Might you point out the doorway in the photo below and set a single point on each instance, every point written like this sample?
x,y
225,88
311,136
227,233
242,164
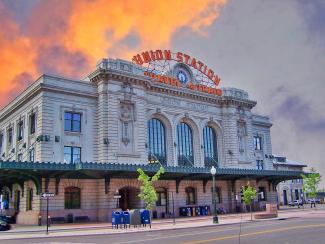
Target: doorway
x,y
17,201
129,198
285,197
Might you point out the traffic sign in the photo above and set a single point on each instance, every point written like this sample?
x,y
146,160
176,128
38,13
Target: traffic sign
x,y
47,194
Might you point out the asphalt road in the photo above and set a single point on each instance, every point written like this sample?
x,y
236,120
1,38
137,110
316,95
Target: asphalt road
x,y
296,231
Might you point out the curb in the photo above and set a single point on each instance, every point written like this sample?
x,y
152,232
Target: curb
x,y
40,235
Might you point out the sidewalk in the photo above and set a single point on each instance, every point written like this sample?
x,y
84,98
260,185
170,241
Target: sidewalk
x,y
19,231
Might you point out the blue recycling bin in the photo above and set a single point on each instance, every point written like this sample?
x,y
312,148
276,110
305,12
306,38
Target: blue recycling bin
x,y
125,219
145,217
116,219
189,211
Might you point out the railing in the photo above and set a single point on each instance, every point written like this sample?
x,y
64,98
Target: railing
x,y
185,161
209,162
152,158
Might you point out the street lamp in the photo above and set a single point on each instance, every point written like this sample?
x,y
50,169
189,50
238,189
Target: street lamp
x,y
213,173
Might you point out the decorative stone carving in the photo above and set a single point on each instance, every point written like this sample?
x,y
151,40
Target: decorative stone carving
x,y
242,133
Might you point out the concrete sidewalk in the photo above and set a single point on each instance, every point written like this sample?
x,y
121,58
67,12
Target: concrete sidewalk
x,y
19,231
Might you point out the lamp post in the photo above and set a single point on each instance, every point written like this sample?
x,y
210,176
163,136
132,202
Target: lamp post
x,y
213,173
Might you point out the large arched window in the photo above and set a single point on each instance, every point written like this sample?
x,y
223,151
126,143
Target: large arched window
x,y
185,145
72,198
210,147
156,141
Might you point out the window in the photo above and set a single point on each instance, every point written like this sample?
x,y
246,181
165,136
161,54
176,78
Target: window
x,y
218,195
72,198
162,197
29,199
257,143
156,141
72,122
1,141
10,135
190,196
261,194
210,147
185,145
72,155
32,155
32,123
259,164
20,157
20,131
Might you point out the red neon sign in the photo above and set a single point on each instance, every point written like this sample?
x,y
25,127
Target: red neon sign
x,y
158,55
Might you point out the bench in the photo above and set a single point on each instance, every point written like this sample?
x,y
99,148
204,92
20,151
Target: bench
x,y
81,219
57,220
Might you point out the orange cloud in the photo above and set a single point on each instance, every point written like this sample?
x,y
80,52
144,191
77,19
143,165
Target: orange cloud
x,y
68,37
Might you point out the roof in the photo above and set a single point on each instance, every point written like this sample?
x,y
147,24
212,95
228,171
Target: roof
x,y
280,160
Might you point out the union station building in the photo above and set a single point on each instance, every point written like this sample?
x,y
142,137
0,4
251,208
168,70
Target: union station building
x,y
84,139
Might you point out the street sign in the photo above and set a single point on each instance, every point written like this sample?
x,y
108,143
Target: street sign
x,y
117,196
47,194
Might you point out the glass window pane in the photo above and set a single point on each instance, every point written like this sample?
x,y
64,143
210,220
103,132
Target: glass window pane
x,y
67,116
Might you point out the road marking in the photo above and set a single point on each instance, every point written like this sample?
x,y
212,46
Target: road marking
x,y
256,233
252,225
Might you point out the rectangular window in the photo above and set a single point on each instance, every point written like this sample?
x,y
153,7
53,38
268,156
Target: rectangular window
x,y
257,143
162,198
32,155
72,122
72,155
259,164
10,135
32,123
20,131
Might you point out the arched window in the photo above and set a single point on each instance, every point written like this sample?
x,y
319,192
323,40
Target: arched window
x,y
156,141
185,145
72,198
29,203
190,196
210,147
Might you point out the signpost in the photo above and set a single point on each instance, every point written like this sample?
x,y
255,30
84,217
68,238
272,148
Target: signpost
x,y
117,196
47,195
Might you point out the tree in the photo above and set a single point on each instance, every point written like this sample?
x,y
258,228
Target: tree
x,y
310,184
147,192
249,194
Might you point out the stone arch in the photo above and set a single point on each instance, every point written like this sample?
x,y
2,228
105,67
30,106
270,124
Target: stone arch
x,y
129,198
163,117
193,124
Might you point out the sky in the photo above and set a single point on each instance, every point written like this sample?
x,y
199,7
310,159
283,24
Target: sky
x,y
275,50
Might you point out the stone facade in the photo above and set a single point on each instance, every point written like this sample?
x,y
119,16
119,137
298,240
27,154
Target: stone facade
x,y
115,104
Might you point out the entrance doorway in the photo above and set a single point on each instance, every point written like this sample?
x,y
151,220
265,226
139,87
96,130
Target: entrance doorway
x,y
129,198
285,197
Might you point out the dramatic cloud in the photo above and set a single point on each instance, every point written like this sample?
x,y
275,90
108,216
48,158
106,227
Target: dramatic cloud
x,y
274,50
68,37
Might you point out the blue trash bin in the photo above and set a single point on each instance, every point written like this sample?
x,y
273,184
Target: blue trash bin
x,y
126,220
116,219
145,217
182,211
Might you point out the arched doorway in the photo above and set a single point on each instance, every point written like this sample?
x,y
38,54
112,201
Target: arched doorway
x,y
129,198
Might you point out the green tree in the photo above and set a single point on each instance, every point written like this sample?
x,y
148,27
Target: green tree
x,y
147,191
310,184
249,194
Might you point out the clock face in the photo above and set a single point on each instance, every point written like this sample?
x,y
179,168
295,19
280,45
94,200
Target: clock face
x,y
182,77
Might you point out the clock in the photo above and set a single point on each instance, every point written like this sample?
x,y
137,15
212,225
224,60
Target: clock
x,y
182,76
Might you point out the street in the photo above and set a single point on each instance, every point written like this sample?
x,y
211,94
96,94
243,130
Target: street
x,y
294,230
